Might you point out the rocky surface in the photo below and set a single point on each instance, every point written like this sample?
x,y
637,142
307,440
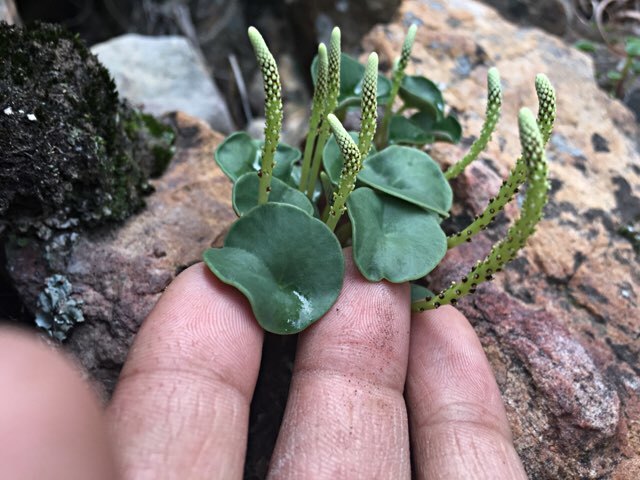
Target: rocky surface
x,y
561,325
164,74
120,273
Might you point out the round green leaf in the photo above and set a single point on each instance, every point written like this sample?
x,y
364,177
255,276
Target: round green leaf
x,y
351,73
418,293
392,239
236,155
245,194
421,93
447,130
443,130
402,130
239,154
408,174
289,266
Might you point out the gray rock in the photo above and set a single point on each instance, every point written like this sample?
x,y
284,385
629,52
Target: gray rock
x,y
164,74
8,12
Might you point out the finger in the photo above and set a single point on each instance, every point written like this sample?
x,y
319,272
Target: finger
x,y
51,424
181,407
458,424
346,417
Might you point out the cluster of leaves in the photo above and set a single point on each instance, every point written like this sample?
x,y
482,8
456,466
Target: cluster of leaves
x,y
628,69
284,253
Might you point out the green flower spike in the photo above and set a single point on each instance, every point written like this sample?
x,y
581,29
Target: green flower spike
x,y
333,91
273,111
546,118
399,67
494,102
351,168
317,110
546,106
369,105
535,165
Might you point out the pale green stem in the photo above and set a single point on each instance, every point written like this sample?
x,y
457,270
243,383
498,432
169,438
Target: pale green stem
x,y
546,119
273,111
333,91
317,109
506,250
398,74
369,105
494,102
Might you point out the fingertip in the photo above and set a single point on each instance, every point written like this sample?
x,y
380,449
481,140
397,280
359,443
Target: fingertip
x,y
185,390
51,423
457,418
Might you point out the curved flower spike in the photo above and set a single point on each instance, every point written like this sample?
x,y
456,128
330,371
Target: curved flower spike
x,y
350,169
546,106
536,167
494,103
399,67
273,111
546,117
369,105
333,91
317,112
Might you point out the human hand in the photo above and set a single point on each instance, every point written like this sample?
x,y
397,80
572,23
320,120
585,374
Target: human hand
x,y
370,383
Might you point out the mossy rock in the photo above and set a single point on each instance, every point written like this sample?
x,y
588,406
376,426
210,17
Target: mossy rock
x,y
73,154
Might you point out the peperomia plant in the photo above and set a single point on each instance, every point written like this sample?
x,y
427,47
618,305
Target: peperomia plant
x,y
284,253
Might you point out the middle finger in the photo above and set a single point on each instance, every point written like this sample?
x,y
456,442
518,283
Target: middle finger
x,y
346,416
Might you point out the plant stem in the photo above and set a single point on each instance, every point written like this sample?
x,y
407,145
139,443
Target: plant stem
x,y
623,77
505,250
273,111
398,74
317,109
333,91
368,105
494,102
546,119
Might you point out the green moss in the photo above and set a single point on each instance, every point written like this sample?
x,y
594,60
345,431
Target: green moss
x,y
86,158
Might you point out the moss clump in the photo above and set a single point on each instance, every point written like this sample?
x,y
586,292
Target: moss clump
x,y
73,154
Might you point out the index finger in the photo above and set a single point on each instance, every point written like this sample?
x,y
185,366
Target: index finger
x,y
181,408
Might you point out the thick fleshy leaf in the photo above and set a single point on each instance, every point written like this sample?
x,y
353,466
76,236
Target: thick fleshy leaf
x,y
294,181
245,194
421,93
403,131
392,239
444,130
418,292
408,174
240,154
351,73
332,159
289,266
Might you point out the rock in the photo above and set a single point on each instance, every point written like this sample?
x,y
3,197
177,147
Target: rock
x,y
119,274
313,20
560,324
73,154
554,16
164,74
9,13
